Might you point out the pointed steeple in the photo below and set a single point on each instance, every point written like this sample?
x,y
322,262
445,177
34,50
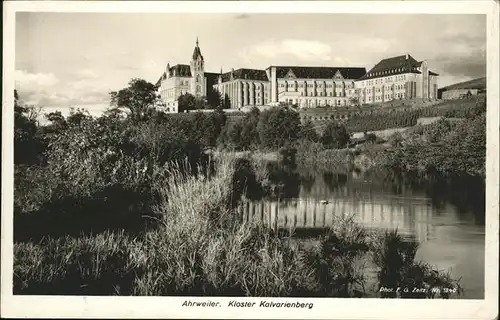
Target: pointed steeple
x,y
197,51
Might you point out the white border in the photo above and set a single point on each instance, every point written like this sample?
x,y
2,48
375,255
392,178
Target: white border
x,y
170,307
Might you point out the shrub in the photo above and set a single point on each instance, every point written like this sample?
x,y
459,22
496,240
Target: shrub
x,y
278,127
395,259
241,134
445,147
308,132
335,136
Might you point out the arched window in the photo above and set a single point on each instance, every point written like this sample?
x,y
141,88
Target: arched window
x,y
199,78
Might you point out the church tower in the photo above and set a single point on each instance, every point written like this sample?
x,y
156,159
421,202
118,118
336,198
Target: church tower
x,y
198,86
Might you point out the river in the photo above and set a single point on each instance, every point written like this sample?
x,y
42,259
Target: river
x,y
446,216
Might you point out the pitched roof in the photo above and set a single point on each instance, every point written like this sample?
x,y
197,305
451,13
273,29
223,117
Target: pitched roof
x,y
249,74
394,66
320,72
181,70
184,70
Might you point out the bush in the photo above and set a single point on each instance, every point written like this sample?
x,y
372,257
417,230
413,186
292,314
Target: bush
x,y
395,259
315,155
308,132
241,134
278,127
335,136
445,147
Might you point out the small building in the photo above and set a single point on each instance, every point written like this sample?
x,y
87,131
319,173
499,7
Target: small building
x,y
463,90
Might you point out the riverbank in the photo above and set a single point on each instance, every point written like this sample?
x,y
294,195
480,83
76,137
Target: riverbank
x,y
200,247
446,146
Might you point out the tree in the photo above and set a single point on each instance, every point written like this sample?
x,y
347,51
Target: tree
x,y
25,130
214,98
113,113
308,132
200,104
278,127
227,102
77,116
335,136
138,98
57,121
249,137
186,102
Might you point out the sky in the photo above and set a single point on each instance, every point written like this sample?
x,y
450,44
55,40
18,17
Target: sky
x,y
74,60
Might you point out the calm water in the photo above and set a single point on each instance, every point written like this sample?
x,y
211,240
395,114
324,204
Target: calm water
x,y
446,217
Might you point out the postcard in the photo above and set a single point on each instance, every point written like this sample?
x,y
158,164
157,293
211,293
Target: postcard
x,y
240,159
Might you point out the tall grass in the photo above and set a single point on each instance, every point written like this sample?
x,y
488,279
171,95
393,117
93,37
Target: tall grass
x,y
200,247
395,259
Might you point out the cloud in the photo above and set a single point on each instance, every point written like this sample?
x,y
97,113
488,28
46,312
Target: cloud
x,y
46,89
25,79
464,56
301,49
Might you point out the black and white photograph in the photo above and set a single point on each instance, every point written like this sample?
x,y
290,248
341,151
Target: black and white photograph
x,y
231,159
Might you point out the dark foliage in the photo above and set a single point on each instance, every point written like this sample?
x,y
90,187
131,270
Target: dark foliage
x,y
139,98
335,136
278,127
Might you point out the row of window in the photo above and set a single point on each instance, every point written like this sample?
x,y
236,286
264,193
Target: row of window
x,y
228,87
311,85
387,97
311,102
324,94
396,87
385,72
388,79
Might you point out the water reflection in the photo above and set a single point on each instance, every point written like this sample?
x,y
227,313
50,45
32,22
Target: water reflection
x,y
445,215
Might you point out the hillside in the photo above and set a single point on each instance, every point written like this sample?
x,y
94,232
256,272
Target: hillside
x,y
479,83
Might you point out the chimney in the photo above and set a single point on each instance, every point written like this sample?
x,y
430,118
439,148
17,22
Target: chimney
x,y
407,56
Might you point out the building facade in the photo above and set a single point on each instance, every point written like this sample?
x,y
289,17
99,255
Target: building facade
x,y
182,78
309,87
244,87
396,78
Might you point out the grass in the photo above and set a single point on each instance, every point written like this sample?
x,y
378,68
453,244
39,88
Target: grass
x,y
311,154
198,246
395,259
197,249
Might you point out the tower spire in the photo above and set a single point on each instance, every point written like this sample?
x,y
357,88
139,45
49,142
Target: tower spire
x,y
196,40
